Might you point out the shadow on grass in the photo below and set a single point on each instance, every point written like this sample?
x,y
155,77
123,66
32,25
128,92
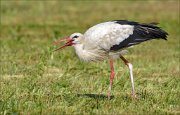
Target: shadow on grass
x,y
95,96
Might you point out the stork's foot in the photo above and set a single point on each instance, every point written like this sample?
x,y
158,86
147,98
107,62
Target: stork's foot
x,y
134,96
109,96
109,93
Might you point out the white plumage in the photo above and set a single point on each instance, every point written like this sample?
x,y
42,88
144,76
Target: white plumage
x,y
107,34
109,39
98,40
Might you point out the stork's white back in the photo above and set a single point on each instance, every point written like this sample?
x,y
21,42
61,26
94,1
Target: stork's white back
x,y
107,34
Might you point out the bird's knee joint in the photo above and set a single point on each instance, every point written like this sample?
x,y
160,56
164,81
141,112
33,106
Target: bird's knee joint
x,y
112,75
130,66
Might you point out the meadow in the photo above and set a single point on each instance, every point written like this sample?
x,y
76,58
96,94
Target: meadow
x,y
36,80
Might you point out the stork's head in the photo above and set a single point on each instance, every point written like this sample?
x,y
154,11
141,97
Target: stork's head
x,y
72,40
77,38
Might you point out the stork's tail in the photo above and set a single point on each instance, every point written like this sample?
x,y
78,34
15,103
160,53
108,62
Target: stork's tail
x,y
141,33
145,31
152,31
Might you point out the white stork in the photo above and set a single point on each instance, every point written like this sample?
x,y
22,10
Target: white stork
x,y
108,40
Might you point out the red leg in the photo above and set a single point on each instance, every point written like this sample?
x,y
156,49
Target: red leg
x,y
111,77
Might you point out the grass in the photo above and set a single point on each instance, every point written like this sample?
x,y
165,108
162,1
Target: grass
x,y
35,80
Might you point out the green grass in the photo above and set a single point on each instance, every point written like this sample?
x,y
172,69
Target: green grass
x,y
35,80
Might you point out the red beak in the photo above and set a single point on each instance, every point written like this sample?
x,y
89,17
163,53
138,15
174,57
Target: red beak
x,y
68,43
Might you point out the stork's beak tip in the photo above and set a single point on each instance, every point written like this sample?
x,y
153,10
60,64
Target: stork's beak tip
x,y
59,41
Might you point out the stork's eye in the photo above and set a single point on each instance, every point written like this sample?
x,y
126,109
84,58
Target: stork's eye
x,y
75,36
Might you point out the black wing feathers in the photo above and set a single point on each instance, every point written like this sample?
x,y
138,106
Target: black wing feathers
x,y
141,33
